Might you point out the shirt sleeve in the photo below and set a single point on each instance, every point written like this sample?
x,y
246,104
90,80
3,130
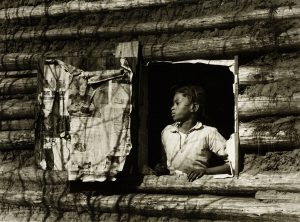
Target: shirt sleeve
x,y
217,144
163,139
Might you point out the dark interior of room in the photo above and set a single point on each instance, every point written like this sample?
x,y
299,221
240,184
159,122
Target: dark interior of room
x,y
164,76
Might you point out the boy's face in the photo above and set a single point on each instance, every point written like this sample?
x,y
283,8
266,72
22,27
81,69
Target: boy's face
x,y
182,108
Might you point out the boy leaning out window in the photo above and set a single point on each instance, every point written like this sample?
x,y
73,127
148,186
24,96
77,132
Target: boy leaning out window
x,y
188,144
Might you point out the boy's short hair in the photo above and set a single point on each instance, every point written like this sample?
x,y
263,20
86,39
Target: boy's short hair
x,y
196,94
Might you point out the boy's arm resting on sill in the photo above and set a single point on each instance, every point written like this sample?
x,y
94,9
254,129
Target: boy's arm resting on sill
x,y
196,174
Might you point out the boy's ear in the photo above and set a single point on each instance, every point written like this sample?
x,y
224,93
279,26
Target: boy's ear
x,y
195,107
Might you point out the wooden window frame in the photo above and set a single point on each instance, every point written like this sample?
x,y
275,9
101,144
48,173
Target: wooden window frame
x,y
142,136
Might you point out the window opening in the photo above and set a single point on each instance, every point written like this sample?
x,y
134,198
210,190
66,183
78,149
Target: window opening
x,y
158,79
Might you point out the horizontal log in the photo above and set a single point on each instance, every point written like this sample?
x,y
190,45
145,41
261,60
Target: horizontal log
x,y
247,75
19,61
267,73
152,28
16,64
11,172
61,200
19,74
249,107
24,97
182,206
178,47
22,124
21,139
17,109
78,7
38,214
18,85
244,184
272,195
212,47
274,132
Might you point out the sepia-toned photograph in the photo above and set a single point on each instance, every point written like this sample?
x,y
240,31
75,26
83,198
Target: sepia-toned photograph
x,y
149,110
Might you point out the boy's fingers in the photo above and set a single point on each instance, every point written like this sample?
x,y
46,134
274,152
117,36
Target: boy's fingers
x,y
192,176
200,174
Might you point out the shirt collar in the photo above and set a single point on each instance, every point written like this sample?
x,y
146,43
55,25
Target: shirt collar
x,y
175,126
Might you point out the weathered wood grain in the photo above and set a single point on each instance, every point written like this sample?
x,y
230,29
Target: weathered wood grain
x,y
244,184
17,109
176,47
22,124
258,106
266,74
20,139
276,196
17,214
19,61
153,28
18,85
79,7
275,133
182,206
24,175
19,74
212,47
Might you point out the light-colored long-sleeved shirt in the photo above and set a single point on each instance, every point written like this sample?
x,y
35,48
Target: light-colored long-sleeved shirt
x,y
193,149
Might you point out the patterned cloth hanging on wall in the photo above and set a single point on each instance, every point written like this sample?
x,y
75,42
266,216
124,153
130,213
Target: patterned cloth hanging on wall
x,y
86,126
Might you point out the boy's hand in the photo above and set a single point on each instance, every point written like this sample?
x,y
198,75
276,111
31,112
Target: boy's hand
x,y
195,174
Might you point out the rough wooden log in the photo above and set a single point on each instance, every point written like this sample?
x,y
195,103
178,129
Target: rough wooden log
x,y
275,196
270,132
18,85
10,172
22,124
153,28
19,61
17,109
248,74
194,45
245,184
227,47
250,107
24,97
79,7
16,64
182,206
269,69
19,74
21,139
267,74
17,214
180,47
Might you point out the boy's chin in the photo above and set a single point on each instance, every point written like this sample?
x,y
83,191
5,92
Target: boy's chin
x,y
175,119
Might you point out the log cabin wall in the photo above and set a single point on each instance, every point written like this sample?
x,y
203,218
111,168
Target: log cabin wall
x,y
264,34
